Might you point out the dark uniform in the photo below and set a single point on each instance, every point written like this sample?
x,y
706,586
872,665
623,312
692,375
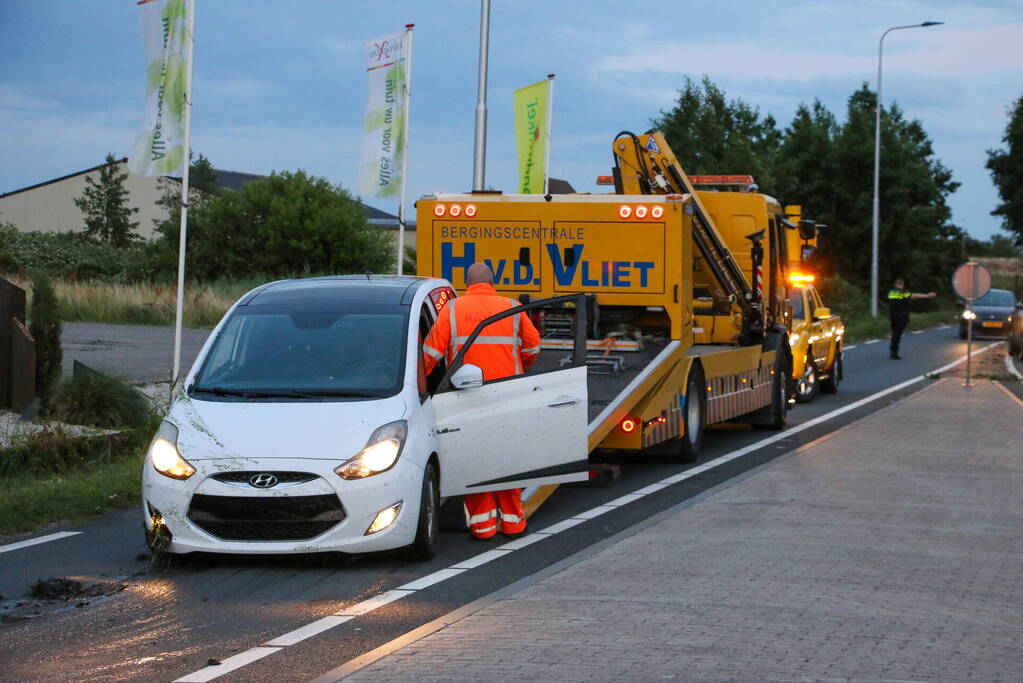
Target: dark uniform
x,y
898,311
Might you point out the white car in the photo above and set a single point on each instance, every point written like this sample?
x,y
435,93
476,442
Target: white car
x,y
307,424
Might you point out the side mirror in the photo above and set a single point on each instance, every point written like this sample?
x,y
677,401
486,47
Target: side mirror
x,y
468,376
807,229
822,312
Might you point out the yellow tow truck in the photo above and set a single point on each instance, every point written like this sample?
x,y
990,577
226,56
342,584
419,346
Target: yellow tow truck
x,y
687,321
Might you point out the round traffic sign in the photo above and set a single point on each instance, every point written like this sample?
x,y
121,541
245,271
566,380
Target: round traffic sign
x,y
971,280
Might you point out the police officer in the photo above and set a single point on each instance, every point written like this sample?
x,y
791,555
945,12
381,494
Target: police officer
x,y
503,349
898,310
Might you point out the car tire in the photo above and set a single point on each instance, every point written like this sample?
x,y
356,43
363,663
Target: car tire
x,y
808,382
829,385
694,418
425,545
775,416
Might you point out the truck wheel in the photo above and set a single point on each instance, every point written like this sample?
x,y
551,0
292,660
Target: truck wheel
x,y
425,545
694,418
774,416
829,385
806,385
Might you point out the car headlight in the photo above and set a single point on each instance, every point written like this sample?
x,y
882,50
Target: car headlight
x,y
969,315
164,456
379,454
793,339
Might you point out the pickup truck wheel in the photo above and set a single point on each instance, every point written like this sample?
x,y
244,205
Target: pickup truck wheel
x,y
806,385
694,418
829,385
425,545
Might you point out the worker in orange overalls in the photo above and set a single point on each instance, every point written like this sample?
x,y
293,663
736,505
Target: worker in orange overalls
x,y
503,349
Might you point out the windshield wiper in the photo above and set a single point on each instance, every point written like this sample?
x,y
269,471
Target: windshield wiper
x,y
334,393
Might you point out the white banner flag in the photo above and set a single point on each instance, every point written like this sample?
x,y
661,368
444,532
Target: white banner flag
x,y
383,137
160,146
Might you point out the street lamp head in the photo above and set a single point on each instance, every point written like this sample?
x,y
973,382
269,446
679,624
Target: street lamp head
x,y
932,23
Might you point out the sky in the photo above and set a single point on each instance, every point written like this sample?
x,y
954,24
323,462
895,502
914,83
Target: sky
x,y
282,85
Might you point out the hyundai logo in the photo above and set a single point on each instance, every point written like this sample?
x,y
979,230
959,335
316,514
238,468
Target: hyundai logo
x,y
263,481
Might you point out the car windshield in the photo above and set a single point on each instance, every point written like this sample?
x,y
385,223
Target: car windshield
x,y
796,297
996,297
307,352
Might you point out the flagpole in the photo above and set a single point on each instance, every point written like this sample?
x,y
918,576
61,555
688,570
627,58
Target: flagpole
x,y
547,145
404,153
179,310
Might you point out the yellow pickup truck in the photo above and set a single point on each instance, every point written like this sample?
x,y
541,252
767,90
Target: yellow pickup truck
x,y
816,339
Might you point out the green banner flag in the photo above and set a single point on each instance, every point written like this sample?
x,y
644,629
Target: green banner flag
x,y
531,135
160,146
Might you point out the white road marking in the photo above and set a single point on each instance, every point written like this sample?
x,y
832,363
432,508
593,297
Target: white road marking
x,y
918,332
872,341
430,579
849,348
228,665
309,630
36,541
1011,367
370,604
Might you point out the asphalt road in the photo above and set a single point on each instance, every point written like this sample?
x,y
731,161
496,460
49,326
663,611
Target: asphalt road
x,y
133,352
169,622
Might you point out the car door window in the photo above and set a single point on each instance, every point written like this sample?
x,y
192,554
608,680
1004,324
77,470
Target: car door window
x,y
427,317
798,312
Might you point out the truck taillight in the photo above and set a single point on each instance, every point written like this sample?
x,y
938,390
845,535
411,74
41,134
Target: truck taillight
x,y
624,211
629,425
470,210
455,210
641,212
438,210
657,212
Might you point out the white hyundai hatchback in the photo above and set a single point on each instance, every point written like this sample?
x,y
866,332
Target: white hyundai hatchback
x,y
307,424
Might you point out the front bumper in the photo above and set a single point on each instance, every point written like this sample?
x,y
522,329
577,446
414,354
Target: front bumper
x,y
987,327
217,510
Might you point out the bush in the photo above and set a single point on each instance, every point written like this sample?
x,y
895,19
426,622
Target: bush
x,y
72,256
98,400
44,325
284,224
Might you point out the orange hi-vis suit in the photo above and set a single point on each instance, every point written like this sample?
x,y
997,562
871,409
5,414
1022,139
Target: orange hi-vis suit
x,y
503,349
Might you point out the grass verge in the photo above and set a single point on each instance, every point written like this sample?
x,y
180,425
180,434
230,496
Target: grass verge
x,y
145,303
859,328
29,501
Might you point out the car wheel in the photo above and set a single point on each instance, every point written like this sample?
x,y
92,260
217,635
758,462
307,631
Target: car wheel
x,y
806,385
425,545
694,418
829,385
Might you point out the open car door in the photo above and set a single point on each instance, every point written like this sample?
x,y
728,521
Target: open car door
x,y
521,431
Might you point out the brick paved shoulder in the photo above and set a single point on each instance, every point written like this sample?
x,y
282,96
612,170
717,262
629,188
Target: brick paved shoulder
x,y
892,550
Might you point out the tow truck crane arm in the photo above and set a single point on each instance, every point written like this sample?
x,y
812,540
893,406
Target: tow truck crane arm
x,y
646,165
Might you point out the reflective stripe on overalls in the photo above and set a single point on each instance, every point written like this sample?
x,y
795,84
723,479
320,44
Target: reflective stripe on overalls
x,y
458,341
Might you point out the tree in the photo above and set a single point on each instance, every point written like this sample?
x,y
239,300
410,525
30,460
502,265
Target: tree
x,y
1006,168
202,184
284,224
710,134
104,205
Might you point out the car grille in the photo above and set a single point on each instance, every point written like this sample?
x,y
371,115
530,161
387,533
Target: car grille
x,y
282,477
259,518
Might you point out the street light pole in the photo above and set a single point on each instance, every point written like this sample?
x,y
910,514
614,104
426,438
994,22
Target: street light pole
x,y
877,166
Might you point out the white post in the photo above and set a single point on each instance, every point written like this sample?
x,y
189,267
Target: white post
x,y
404,153
479,161
179,311
547,146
